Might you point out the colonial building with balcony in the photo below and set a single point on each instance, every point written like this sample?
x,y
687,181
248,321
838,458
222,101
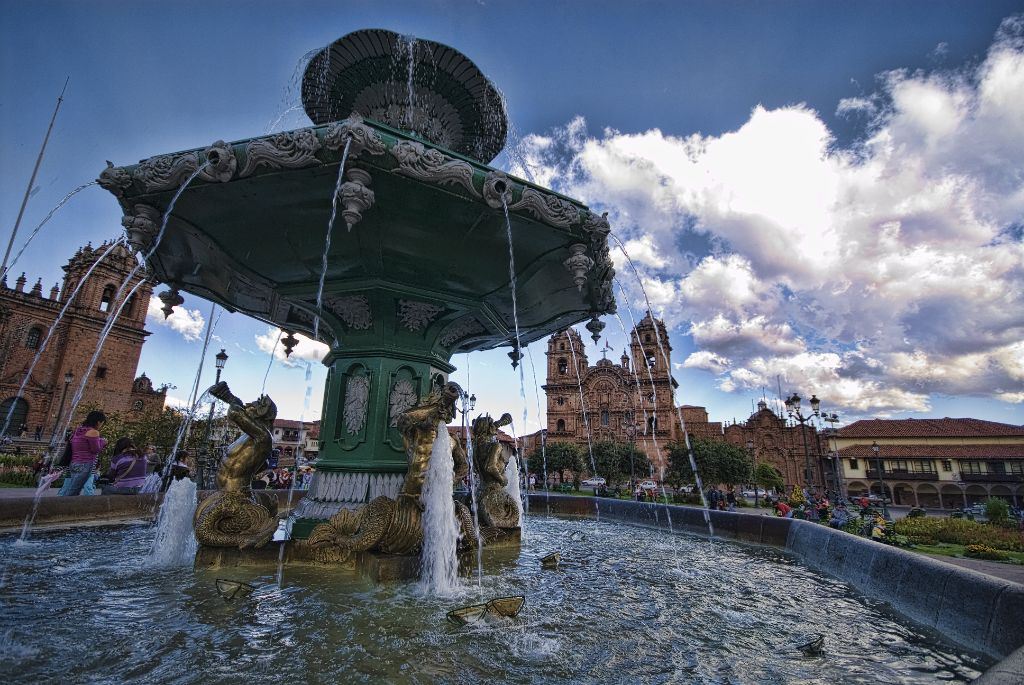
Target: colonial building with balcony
x,y
935,463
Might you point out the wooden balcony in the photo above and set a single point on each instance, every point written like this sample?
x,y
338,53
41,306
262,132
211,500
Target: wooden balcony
x,y
991,477
903,475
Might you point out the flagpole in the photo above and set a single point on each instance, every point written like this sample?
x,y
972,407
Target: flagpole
x,y
32,180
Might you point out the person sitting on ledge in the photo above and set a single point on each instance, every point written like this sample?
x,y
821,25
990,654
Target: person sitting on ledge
x,y
127,469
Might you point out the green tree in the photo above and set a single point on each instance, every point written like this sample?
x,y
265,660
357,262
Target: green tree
x,y
717,462
767,477
618,461
561,457
151,428
996,510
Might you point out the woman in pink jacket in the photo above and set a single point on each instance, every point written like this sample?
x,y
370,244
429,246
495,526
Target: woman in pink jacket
x,y
86,444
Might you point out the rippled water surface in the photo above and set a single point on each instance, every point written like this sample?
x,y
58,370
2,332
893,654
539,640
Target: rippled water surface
x,y
627,606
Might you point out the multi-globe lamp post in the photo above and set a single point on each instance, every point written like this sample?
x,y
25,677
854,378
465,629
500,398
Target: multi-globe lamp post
x,y
753,456
68,378
793,409
206,462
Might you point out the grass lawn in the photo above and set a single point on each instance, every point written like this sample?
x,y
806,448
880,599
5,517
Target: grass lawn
x,y
948,549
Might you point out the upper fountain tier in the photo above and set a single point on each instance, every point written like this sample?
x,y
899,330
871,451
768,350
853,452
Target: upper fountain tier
x,y
410,84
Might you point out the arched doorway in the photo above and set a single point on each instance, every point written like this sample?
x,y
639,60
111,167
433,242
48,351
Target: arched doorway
x,y
976,494
903,494
928,496
19,415
952,497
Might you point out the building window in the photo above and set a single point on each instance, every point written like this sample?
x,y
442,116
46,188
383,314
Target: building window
x,y
1015,467
35,334
853,464
101,372
129,308
971,467
563,366
947,465
652,423
604,418
560,401
647,338
107,298
560,426
996,467
561,347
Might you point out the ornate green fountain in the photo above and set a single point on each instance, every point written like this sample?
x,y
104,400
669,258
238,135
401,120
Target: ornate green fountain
x,y
418,266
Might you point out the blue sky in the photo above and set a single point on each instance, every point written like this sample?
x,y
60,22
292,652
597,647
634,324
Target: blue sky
x,y
817,192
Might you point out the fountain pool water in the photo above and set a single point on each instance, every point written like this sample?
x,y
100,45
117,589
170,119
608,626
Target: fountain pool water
x,y
613,612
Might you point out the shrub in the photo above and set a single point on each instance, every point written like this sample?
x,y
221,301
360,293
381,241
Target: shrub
x,y
930,531
7,459
985,552
916,513
996,509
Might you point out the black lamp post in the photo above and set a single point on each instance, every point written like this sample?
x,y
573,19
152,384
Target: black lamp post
x,y
753,455
881,476
68,378
629,425
832,419
206,462
793,408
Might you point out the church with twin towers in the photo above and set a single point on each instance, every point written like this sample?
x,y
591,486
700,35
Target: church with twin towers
x,y
631,401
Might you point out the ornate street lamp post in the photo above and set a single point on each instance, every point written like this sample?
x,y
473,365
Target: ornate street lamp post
x,y
793,408
881,477
753,455
832,419
206,460
68,377
629,425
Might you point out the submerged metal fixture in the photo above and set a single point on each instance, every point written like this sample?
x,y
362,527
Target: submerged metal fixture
x,y
551,560
813,648
505,607
231,589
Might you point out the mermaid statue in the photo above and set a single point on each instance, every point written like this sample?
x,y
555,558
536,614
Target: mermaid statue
x,y
235,516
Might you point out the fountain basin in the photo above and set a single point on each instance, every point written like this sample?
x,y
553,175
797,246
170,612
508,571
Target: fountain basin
x,y
626,605
978,611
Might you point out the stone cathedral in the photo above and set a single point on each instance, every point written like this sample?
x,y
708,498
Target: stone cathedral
x,y
632,400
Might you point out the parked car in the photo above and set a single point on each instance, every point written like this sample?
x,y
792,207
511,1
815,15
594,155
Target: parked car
x,y
594,482
648,485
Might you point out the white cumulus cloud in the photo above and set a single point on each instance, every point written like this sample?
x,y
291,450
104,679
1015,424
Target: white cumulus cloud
x,y
187,322
875,274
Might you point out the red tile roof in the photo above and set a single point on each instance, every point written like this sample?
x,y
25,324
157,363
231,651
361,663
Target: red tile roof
x,y
929,428
998,451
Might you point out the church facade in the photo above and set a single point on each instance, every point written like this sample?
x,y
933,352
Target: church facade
x,y
26,318
631,401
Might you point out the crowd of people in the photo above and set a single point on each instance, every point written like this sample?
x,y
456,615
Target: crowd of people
x,y
134,470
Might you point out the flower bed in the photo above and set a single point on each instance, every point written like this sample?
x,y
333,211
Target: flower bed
x,y
931,530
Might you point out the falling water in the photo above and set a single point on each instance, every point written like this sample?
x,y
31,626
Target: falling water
x,y
53,328
515,309
270,364
195,399
513,489
543,438
409,43
294,479
292,88
44,485
327,239
114,314
43,223
439,563
175,543
472,487
679,410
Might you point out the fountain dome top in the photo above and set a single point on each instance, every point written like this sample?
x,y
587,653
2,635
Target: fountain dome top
x,y
410,84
